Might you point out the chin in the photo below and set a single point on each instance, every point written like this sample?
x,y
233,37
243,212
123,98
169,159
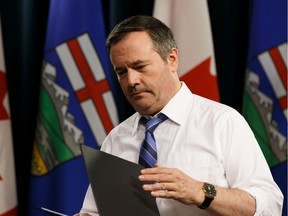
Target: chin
x,y
141,109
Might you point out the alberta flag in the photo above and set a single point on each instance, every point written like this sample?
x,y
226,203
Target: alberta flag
x,y
76,105
190,22
265,96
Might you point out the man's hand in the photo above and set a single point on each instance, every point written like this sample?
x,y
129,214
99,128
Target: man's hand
x,y
173,184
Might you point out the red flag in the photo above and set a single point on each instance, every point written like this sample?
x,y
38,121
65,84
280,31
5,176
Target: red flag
x,y
189,20
8,196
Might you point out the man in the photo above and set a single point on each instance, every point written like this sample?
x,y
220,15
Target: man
x,y
209,162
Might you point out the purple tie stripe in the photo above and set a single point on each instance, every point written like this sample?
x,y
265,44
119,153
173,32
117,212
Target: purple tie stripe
x,y
148,152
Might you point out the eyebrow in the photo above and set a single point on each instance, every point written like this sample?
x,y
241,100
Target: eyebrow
x,y
138,62
133,64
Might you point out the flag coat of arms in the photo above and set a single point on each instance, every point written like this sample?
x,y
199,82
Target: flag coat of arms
x,y
76,105
265,95
8,194
190,23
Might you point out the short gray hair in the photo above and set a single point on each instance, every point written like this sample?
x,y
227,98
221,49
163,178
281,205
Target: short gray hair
x,y
160,34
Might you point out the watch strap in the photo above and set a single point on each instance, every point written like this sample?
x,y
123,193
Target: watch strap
x,y
210,193
205,203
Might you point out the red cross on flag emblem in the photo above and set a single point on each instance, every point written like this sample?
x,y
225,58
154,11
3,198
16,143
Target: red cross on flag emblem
x,y
87,77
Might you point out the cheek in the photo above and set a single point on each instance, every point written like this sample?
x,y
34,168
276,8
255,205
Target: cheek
x,y
122,82
123,87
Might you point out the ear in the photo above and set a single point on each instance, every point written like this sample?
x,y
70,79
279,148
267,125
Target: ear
x,y
173,59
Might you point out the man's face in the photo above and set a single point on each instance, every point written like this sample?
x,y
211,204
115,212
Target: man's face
x,y
147,81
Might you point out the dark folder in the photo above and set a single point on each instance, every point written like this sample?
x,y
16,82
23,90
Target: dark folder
x,y
115,185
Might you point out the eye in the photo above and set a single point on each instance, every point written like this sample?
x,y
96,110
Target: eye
x,y
121,72
140,67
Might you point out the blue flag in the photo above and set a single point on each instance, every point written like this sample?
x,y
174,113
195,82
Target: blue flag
x,y
76,105
265,95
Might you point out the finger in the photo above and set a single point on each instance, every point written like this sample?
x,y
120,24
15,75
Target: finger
x,y
162,190
153,170
160,187
157,165
157,178
158,169
164,194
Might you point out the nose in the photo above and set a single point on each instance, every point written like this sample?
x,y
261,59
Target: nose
x,y
132,77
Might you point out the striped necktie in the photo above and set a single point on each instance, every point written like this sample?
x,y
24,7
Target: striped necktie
x,y
148,152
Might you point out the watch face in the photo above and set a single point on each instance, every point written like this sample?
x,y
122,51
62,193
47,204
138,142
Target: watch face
x,y
209,190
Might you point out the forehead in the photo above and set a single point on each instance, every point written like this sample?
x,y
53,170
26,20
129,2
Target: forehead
x,y
135,46
133,39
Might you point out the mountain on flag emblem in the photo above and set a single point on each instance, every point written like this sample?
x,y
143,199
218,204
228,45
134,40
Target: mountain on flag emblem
x,y
266,103
64,112
76,104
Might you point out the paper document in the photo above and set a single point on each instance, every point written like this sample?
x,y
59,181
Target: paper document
x,y
52,212
115,185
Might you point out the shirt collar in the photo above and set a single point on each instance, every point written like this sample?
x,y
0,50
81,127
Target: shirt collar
x,y
175,112
172,110
136,122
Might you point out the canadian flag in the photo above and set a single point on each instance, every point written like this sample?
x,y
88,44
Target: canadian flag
x,y
190,22
8,196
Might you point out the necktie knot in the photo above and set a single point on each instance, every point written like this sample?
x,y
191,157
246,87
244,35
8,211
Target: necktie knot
x,y
148,153
152,124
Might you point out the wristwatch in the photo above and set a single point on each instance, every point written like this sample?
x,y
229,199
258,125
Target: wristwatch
x,y
210,193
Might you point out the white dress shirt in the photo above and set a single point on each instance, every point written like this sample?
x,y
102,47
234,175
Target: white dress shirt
x,y
208,141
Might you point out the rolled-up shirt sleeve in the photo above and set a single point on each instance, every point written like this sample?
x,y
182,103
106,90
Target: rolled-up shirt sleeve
x,y
266,205
247,169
